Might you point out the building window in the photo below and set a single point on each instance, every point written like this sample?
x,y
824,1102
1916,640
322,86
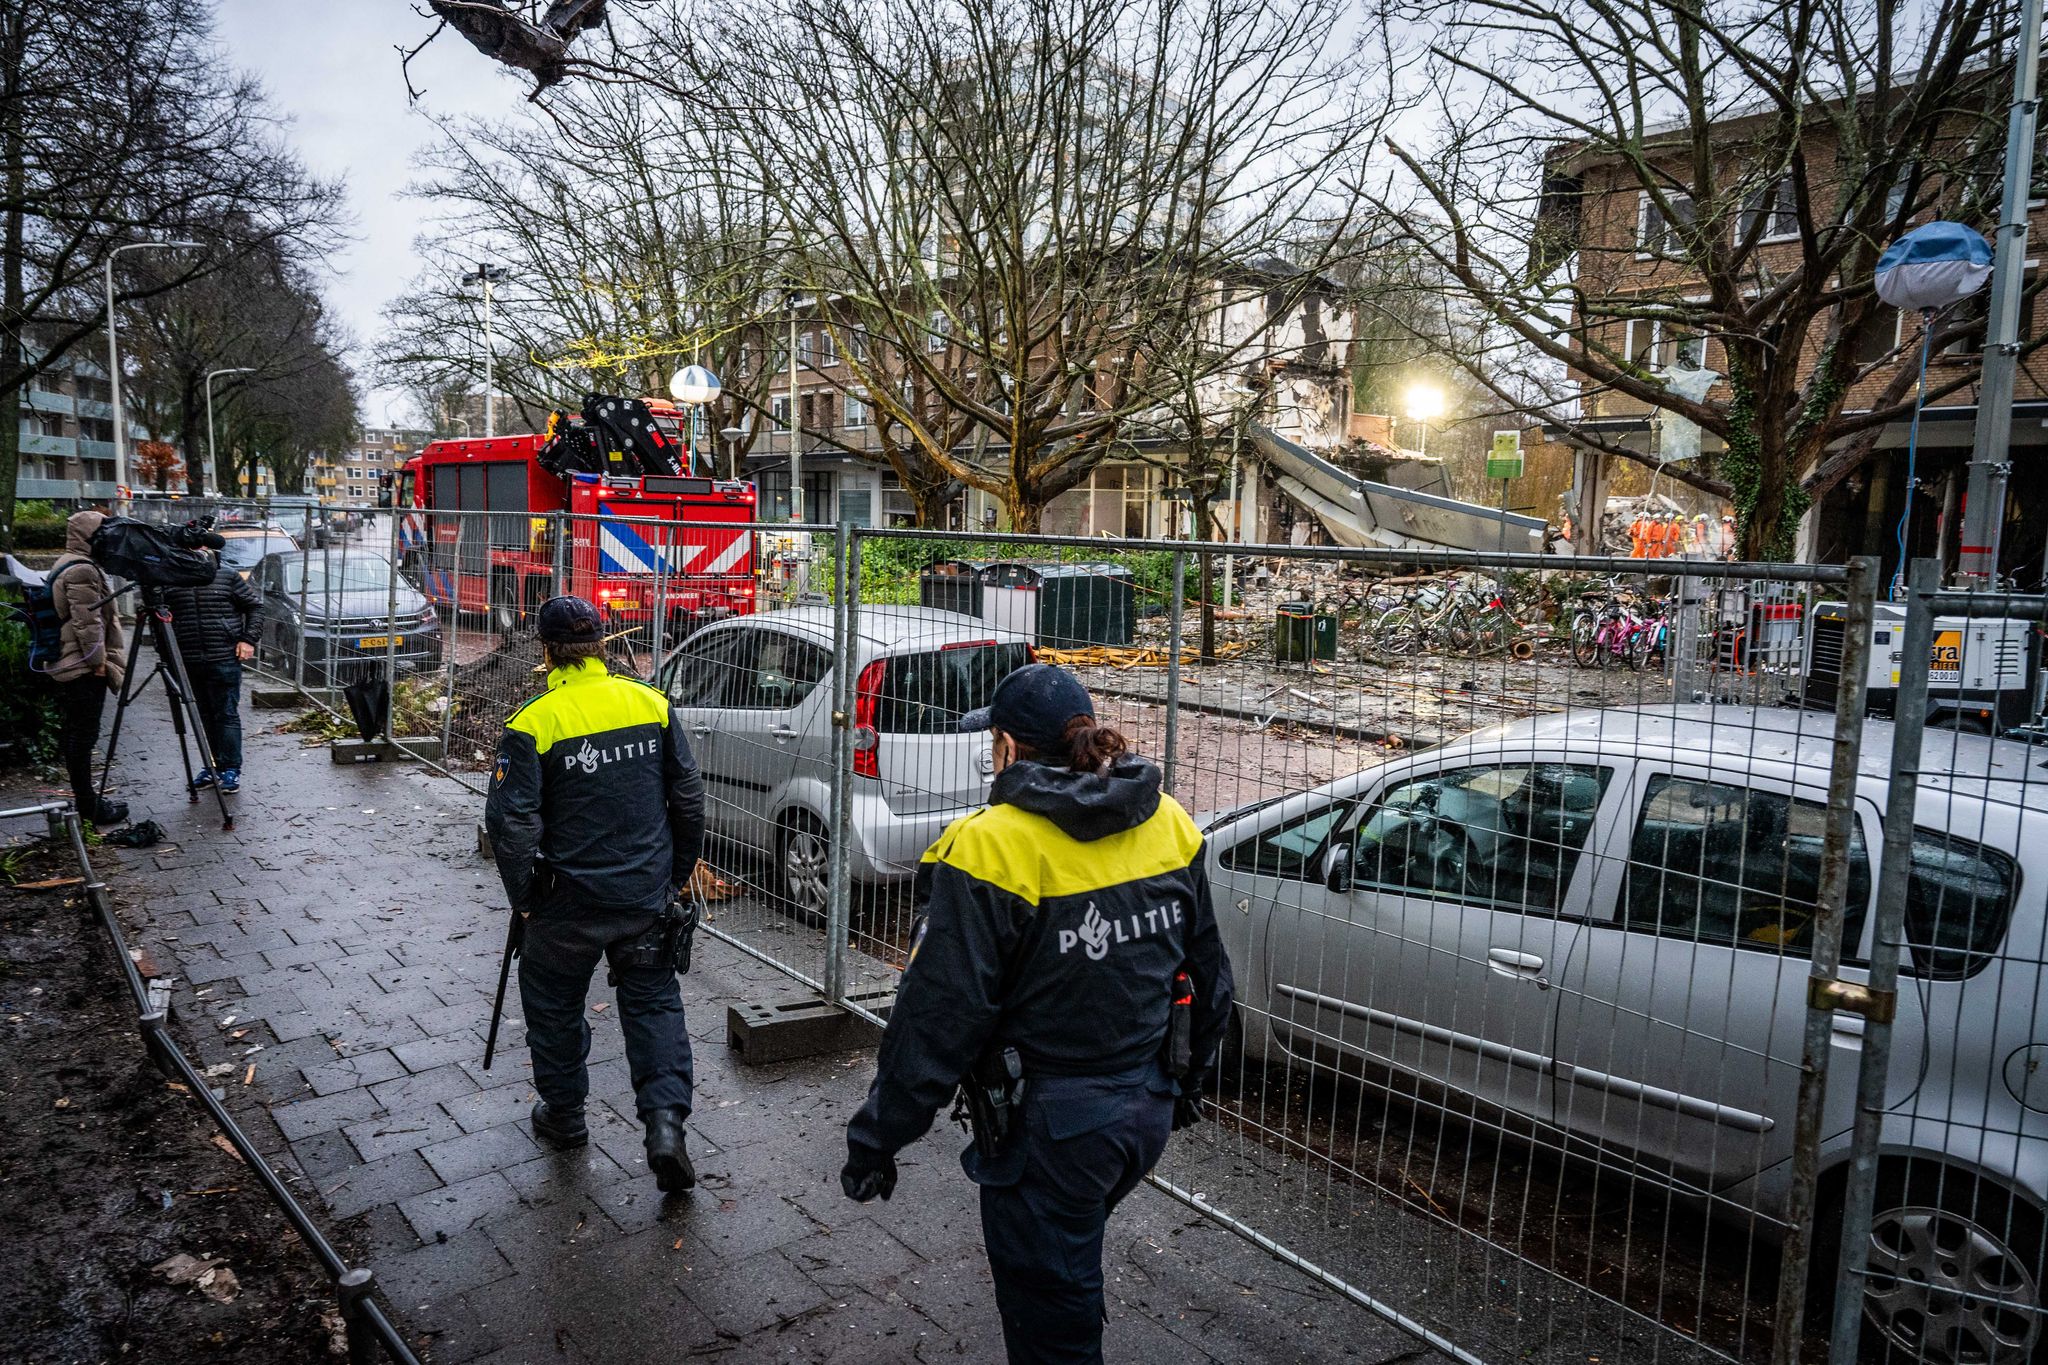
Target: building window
x,y
1657,234
828,350
856,410
1974,312
857,344
1778,206
817,412
935,339
1881,336
1650,345
778,411
806,349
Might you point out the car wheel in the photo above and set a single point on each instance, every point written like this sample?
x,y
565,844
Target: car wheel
x,y
803,866
1955,1273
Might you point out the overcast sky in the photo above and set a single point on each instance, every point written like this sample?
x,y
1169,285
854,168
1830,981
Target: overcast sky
x,y
332,69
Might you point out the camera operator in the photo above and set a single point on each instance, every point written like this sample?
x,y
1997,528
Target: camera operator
x,y
216,630
92,663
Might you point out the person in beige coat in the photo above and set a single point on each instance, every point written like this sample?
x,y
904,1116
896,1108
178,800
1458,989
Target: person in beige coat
x,y
93,661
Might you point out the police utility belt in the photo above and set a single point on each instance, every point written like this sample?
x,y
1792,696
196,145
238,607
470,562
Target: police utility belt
x,y
667,944
991,1095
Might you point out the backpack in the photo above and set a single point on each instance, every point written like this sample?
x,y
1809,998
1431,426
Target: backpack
x,y
38,611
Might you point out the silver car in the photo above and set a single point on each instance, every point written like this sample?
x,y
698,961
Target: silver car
x,y
755,697
1599,923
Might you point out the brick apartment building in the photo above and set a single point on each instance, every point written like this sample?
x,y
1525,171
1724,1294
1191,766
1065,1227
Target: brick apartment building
x,y
1625,248
358,475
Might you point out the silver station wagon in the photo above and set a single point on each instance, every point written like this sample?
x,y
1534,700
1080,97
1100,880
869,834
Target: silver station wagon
x,y
1599,924
755,695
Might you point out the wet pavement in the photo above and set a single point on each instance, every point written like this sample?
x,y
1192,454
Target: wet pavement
x,y
342,941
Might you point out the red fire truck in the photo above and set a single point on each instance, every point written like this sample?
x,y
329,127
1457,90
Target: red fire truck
x,y
677,545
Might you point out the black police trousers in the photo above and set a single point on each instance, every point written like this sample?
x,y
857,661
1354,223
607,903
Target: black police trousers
x,y
1086,1142
564,944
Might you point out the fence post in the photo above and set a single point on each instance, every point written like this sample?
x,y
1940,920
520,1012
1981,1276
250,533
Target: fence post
x,y
1909,716
299,651
1176,605
390,634
354,1288
451,629
845,615
1684,640
664,546
1851,699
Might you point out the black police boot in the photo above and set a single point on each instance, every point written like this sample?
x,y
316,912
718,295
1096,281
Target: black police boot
x,y
107,811
559,1127
666,1157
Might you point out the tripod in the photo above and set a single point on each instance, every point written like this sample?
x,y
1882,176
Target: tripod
x,y
170,666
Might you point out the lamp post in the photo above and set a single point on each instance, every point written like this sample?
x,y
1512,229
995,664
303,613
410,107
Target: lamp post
x,y
465,425
114,351
732,449
796,456
1931,267
696,388
487,275
1424,402
211,457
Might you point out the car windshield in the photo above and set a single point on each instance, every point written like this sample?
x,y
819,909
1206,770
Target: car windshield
x,y
337,573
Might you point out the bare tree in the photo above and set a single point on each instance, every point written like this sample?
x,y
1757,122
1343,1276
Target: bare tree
x,y
262,315
1613,186
1008,204
624,260
118,125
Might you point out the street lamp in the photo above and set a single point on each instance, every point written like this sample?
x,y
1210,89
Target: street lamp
x,y
695,388
211,458
732,449
114,353
1424,402
487,275
465,425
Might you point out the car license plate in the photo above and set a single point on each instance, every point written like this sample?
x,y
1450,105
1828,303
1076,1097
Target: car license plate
x,y
379,641
623,604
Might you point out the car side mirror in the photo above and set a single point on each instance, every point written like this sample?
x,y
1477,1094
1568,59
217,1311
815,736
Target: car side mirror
x,y
1337,868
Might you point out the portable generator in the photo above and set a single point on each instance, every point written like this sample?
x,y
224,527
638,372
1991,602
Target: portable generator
x,y
1983,675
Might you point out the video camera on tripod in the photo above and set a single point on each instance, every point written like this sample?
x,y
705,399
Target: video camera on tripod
x,y
154,559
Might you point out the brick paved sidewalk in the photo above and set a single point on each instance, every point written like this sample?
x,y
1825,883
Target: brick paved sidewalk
x,y
348,929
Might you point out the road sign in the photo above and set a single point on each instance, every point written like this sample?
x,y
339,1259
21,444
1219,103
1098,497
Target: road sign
x,y
1505,460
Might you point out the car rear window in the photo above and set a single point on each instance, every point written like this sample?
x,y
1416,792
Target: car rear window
x,y
927,693
1959,899
246,552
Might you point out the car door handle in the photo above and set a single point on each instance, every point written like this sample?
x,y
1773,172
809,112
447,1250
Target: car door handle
x,y
700,731
782,732
1522,966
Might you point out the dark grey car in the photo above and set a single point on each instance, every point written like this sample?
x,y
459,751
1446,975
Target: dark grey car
x,y
346,614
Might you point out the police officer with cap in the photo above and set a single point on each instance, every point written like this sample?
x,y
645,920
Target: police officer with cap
x,y
1066,942
596,818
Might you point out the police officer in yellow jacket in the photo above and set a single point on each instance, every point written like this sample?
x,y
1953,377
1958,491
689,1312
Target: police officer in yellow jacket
x,y
1063,928
596,818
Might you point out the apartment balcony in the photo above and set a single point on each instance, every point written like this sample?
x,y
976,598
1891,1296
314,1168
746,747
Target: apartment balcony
x,y
95,450
53,447
43,400
95,407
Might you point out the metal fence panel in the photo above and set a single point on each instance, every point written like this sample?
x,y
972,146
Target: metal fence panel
x,y
1941,1218
1523,931
1552,886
